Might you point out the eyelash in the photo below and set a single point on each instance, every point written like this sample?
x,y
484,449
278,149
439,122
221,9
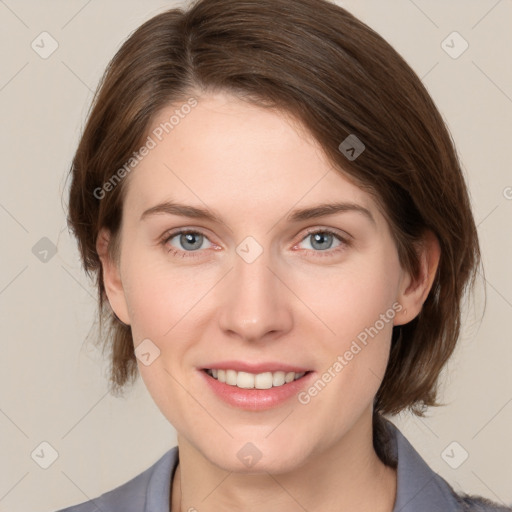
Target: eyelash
x,y
191,254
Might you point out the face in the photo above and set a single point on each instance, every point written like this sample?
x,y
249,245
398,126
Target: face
x,y
257,288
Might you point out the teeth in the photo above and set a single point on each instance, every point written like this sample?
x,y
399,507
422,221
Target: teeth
x,y
278,378
231,377
246,380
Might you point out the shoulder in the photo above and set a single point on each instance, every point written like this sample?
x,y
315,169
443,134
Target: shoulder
x,y
419,488
153,484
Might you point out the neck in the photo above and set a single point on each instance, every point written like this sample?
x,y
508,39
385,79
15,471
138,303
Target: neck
x,y
348,476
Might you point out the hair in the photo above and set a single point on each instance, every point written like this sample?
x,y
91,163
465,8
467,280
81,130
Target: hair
x,y
316,62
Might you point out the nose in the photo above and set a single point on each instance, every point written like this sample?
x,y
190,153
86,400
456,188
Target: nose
x,y
255,303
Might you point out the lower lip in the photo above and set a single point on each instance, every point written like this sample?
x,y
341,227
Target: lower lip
x,y
256,399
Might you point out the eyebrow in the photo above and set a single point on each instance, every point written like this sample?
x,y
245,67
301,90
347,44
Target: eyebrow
x,y
321,210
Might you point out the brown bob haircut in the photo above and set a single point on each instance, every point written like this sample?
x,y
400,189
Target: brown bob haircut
x,y
315,61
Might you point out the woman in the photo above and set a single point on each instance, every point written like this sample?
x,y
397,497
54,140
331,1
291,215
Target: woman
x,y
226,145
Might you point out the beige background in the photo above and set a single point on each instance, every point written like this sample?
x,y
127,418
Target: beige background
x,y
52,382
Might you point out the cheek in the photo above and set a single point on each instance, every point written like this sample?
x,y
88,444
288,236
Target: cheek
x,y
352,298
159,295
163,298
357,306
354,359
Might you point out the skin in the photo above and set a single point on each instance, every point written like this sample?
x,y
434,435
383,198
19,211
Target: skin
x,y
298,302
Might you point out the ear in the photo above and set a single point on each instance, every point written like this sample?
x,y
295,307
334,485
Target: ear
x,y
414,292
112,277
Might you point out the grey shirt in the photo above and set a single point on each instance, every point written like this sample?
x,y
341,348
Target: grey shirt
x,y
419,488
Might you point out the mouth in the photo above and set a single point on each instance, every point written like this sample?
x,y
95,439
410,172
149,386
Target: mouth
x,y
246,380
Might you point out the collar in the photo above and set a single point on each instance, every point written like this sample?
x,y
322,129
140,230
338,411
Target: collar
x,y
419,488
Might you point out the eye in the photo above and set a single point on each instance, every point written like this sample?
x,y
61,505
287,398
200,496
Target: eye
x,y
321,240
188,242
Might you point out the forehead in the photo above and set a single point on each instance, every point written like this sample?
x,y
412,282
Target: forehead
x,y
230,154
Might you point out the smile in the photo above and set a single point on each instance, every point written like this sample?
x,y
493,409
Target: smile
x,y
245,380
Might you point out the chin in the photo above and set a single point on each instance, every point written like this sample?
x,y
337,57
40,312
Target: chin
x,y
256,457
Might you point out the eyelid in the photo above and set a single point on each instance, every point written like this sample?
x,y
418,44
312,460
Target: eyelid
x,y
172,233
342,235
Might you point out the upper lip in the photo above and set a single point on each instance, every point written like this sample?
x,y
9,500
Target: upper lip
x,y
241,366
